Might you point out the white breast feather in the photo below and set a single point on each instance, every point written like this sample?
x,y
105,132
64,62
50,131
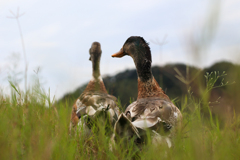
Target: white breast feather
x,y
90,110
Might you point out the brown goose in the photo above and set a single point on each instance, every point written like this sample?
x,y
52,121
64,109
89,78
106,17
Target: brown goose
x,y
153,110
94,101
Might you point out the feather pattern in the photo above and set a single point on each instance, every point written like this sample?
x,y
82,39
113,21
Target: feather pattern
x,y
94,102
153,110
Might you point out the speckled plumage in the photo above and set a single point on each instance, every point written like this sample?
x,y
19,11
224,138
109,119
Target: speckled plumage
x,y
94,100
153,110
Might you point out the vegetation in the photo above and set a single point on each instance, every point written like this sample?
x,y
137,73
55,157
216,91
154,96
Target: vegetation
x,y
32,127
175,81
35,127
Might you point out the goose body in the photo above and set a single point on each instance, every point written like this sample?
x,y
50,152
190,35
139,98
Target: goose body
x,y
153,110
94,103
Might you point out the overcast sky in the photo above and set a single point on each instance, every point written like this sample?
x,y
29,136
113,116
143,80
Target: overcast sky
x,y
58,35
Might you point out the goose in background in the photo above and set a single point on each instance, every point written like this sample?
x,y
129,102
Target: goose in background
x,y
94,104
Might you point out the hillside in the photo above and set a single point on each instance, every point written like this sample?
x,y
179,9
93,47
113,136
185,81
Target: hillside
x,y
224,99
32,128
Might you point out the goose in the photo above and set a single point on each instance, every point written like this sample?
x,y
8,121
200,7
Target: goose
x,y
153,110
94,102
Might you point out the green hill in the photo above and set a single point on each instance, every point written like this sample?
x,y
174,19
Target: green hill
x,y
175,80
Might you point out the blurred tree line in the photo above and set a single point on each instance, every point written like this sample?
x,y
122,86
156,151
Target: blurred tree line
x,y
224,100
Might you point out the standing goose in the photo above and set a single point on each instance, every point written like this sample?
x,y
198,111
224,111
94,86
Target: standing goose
x,y
153,110
94,102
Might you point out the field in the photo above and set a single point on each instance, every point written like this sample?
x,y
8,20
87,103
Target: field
x,y
34,127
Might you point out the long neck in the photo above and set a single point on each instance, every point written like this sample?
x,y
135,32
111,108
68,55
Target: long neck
x,y
96,69
143,67
147,85
150,88
96,83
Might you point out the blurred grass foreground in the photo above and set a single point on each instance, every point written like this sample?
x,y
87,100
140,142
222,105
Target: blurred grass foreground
x,y
33,127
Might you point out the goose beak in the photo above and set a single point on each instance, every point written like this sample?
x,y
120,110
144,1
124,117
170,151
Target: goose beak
x,y
90,58
119,54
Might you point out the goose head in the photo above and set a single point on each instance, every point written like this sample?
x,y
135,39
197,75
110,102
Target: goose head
x,y
138,49
95,52
95,56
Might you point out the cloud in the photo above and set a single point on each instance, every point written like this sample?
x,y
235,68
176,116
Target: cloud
x,y
65,78
58,35
43,37
135,6
230,13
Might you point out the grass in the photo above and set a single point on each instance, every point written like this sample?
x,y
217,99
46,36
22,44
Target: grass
x,y
38,129
33,127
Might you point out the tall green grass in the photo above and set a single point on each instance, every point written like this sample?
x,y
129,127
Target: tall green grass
x,y
32,126
36,128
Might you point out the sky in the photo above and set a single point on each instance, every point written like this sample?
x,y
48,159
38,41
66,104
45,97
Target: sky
x,y
58,34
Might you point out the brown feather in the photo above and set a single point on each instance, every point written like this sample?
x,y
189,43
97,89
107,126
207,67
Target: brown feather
x,y
150,89
95,85
95,95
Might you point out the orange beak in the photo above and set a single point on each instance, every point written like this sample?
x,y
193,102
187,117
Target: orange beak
x,y
119,54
